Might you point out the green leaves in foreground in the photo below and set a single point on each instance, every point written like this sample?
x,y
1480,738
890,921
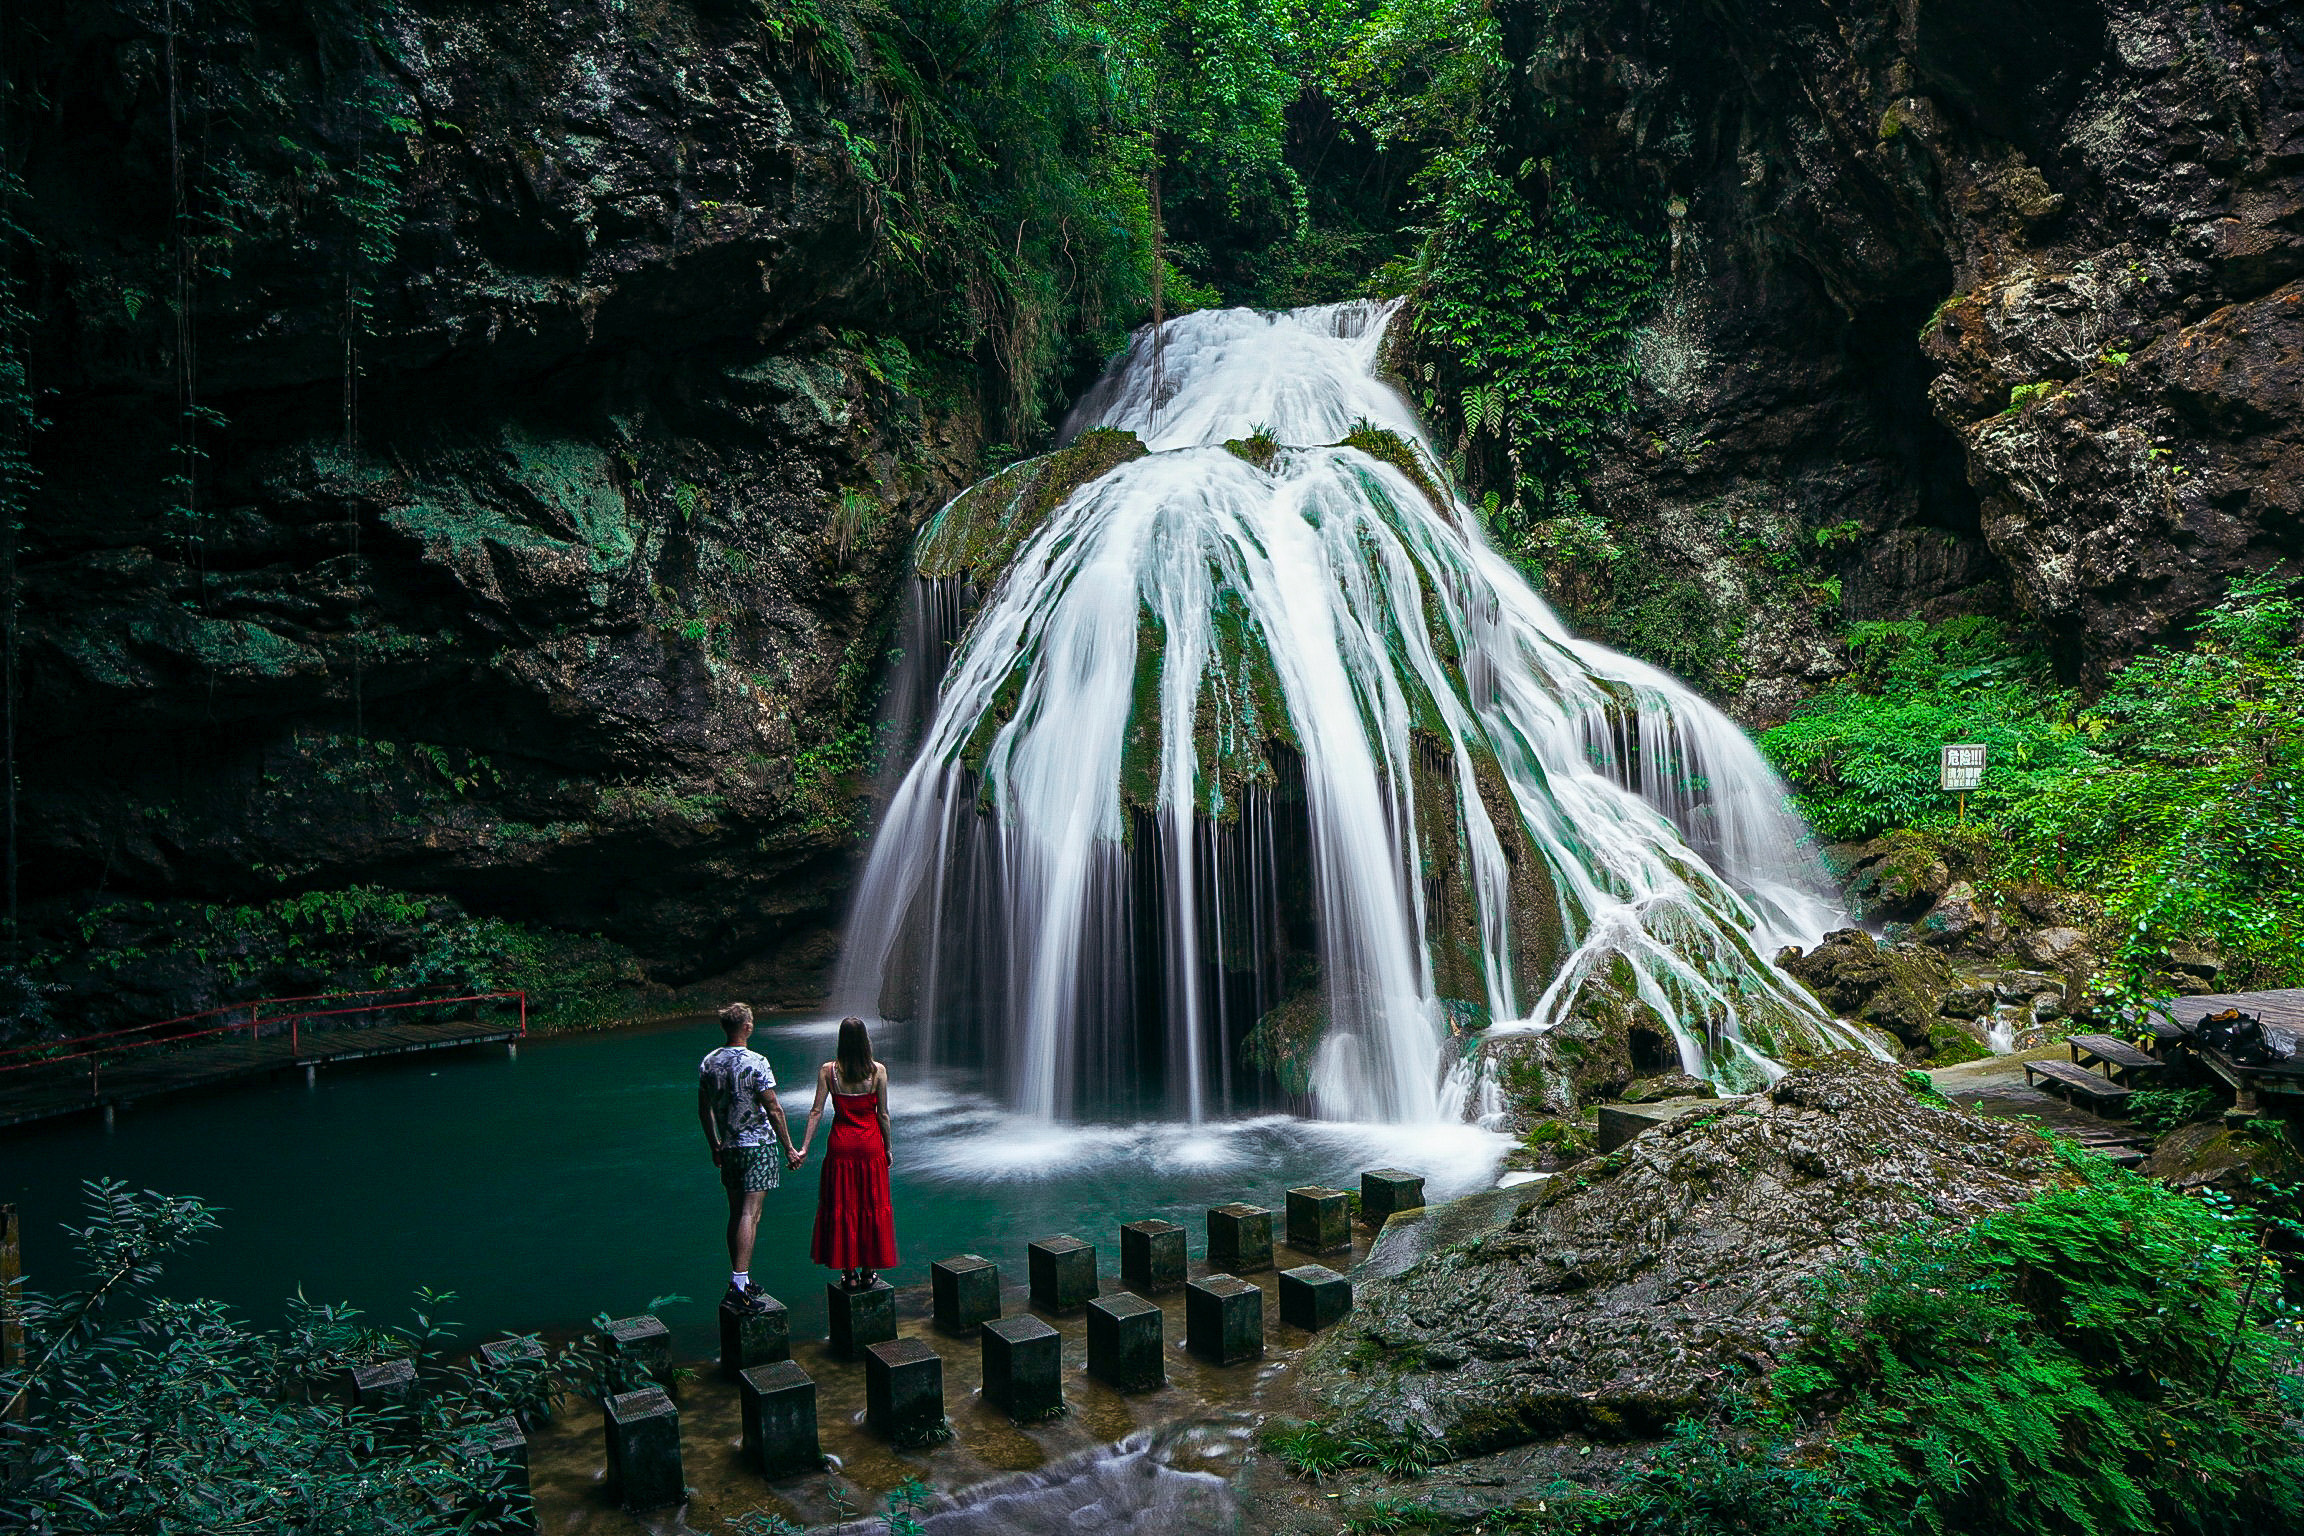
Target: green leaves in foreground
x,y
135,1412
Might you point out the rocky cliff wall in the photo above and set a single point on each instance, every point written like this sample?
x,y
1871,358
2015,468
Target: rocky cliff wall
x,y
478,465
1970,307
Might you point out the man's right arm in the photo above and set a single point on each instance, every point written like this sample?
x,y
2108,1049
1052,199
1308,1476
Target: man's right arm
x,y
704,1118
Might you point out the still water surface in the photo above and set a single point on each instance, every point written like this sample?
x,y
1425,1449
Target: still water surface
x,y
572,1179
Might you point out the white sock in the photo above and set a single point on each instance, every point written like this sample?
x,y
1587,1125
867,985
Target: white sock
x,y
739,1278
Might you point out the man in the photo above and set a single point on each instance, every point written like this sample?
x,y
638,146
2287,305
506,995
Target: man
x,y
737,1104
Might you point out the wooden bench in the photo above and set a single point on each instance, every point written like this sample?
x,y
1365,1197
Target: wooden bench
x,y
2100,1092
2120,1060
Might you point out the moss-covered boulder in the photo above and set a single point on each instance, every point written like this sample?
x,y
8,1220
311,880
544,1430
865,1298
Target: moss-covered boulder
x,y
979,532
2211,1155
1285,1042
1615,1298
1897,988
1897,877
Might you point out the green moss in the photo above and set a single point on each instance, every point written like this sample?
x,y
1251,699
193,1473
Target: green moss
x,y
1286,1040
1259,447
979,533
1949,1044
1389,447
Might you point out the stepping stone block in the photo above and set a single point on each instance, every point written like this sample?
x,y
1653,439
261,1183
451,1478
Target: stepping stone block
x,y
748,1339
1386,1192
1063,1271
644,1450
1023,1367
780,1420
1125,1339
385,1386
1313,1296
860,1318
643,1338
1239,1239
966,1290
509,1504
1152,1256
904,1391
1319,1219
1224,1319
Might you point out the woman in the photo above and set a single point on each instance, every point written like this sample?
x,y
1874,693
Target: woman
x,y
855,1227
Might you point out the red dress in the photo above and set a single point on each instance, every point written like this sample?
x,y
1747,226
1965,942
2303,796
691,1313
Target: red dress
x,y
855,1226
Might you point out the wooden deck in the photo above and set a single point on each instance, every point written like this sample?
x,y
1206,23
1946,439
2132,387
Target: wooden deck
x,y
44,1092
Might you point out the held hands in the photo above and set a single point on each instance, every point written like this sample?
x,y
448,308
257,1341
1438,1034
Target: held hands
x,y
795,1156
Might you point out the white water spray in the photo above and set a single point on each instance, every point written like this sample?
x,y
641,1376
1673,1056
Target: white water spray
x,y
1263,754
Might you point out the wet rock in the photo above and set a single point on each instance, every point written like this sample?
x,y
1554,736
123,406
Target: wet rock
x,y
1951,1041
1897,988
1962,919
2023,986
2207,1155
1897,878
1967,1003
1609,1301
2060,949
1670,1085
2202,961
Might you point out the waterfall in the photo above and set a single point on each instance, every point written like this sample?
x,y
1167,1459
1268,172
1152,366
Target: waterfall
x,y
1258,775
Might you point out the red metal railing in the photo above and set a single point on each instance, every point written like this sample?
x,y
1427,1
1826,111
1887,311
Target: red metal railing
x,y
90,1048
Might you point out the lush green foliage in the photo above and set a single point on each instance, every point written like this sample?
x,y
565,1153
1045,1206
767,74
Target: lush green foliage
x,y
2178,795
139,1412
330,940
1529,276
1864,752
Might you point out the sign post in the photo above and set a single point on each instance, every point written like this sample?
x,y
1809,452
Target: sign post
x,y
1961,769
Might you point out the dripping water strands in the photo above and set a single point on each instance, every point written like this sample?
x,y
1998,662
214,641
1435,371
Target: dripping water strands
x,y
1259,780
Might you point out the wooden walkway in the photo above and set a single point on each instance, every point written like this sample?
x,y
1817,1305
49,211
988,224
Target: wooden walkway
x,y
44,1092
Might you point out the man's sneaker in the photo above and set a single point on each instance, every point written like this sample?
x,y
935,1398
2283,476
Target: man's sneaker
x,y
746,1298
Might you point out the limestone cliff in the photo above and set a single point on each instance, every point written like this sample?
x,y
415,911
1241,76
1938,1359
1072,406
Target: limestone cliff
x,y
1970,307
501,489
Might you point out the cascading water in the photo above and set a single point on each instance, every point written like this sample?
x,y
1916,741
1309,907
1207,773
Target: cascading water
x,y
1258,771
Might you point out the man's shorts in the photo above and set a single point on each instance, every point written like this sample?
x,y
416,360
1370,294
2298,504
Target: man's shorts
x,y
746,1170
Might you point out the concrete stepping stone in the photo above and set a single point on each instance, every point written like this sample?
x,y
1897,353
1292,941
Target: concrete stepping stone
x,y
1239,1239
1126,1337
1313,1297
1151,1256
780,1420
1023,1368
1224,1319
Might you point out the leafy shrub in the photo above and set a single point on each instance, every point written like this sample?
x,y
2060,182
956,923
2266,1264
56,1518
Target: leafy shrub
x,y
135,1412
2178,796
2158,1110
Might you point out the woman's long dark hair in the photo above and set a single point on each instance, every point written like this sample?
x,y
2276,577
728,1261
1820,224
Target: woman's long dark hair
x,y
855,1053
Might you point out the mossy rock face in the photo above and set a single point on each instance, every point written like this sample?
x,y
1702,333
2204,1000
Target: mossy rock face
x,y
1949,1044
1258,448
1389,447
2208,1155
1286,1041
1897,988
979,533
1628,1290
1899,876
